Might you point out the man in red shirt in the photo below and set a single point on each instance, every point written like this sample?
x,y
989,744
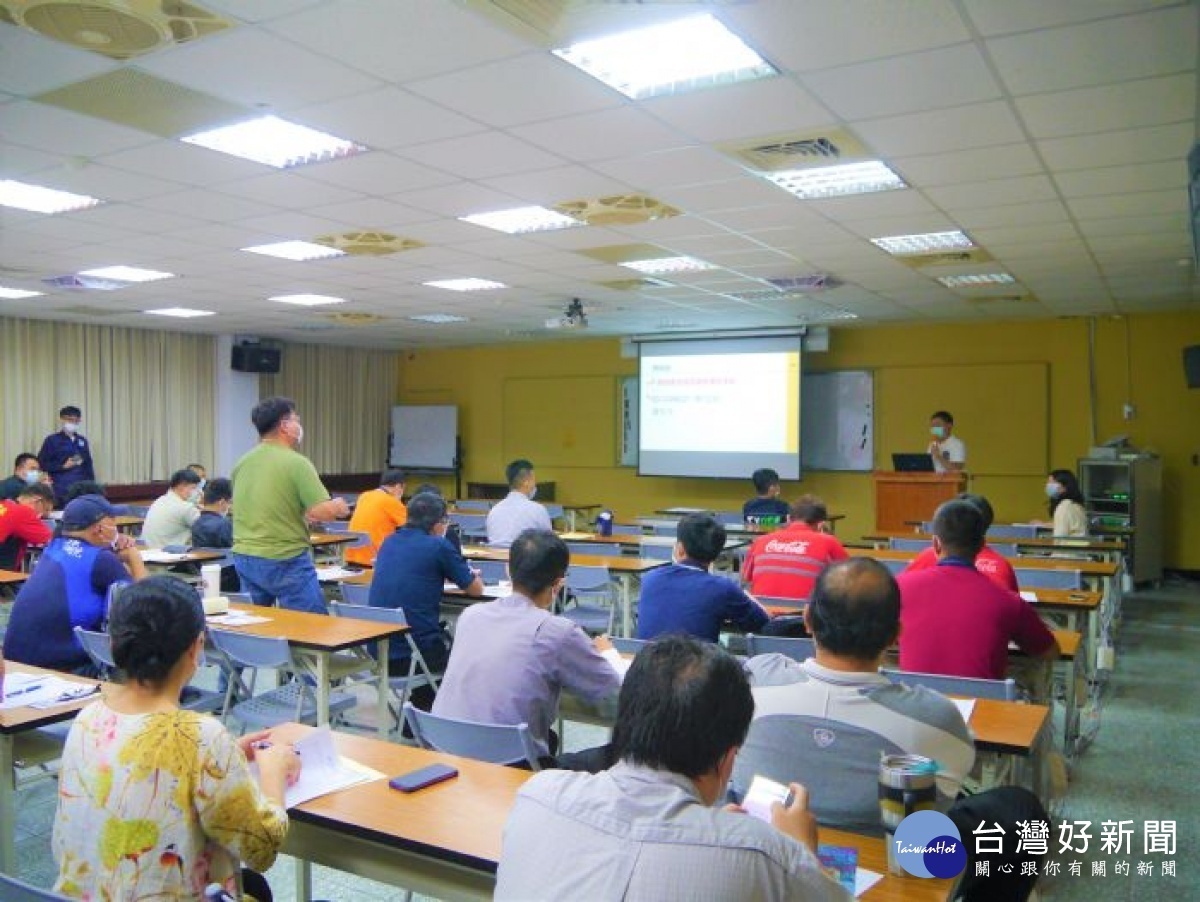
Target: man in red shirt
x,y
987,562
956,621
21,524
786,563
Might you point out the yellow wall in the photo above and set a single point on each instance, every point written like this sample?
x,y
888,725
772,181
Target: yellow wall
x,y
1139,361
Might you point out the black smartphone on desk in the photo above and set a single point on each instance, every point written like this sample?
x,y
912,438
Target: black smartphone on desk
x,y
426,776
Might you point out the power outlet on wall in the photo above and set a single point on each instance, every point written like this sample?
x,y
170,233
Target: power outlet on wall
x,y
1128,411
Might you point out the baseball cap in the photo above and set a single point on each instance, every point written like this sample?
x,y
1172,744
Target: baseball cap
x,y
85,511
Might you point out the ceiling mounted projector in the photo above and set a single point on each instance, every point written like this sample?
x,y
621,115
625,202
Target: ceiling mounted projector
x,y
573,317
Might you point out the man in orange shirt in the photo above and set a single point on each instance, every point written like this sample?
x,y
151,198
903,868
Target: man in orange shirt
x,y
378,513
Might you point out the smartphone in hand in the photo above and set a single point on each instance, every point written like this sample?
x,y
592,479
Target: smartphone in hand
x,y
426,776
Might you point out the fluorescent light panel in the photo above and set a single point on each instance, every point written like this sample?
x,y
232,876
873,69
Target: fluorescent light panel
x,y
903,245
833,181
307,300
519,220
127,274
180,312
15,294
275,142
438,318
974,279
465,284
37,199
296,250
672,58
663,265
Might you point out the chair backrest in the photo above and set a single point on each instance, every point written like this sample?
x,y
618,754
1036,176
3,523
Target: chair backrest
x,y
588,577
657,552
554,511
797,649
472,504
729,518
245,650
1028,578
336,526
491,572
1004,549
356,593
666,529
1001,690
469,521
839,762
778,601
898,544
604,549
628,646
14,890
1012,531
895,567
494,743
98,647
627,529
367,612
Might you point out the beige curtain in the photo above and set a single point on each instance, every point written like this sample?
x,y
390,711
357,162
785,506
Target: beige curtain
x,y
147,397
345,397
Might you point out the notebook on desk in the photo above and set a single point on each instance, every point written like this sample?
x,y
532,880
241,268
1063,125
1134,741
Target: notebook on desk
x,y
912,463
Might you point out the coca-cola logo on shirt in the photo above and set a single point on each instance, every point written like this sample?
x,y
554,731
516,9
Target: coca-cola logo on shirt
x,y
778,546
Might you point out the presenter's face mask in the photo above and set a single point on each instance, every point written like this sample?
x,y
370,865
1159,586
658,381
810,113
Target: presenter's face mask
x,y
937,431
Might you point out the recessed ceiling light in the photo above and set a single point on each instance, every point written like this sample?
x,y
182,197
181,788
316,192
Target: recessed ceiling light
x,y
15,294
671,58
296,250
832,181
901,245
465,284
37,199
127,274
438,318
668,265
307,300
985,278
180,312
522,219
275,142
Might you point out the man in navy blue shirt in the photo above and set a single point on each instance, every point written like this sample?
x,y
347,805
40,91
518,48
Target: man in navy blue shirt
x,y
411,569
686,598
767,503
66,455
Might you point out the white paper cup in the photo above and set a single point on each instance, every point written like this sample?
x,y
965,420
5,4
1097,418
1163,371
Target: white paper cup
x,y
210,576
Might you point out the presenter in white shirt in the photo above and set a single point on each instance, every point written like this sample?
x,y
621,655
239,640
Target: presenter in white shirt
x,y
947,450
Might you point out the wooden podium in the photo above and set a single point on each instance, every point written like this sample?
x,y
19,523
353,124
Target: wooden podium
x,y
902,498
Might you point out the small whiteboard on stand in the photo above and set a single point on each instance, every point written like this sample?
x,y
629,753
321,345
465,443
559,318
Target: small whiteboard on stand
x,y
837,420
424,437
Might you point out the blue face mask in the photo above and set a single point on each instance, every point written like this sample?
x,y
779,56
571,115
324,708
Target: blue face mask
x,y
1053,490
938,431
32,476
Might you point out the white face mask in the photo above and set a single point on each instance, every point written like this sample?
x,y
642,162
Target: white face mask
x,y
32,476
70,428
533,493
299,433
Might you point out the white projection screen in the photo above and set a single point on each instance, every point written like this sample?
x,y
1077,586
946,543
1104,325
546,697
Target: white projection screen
x,y
721,407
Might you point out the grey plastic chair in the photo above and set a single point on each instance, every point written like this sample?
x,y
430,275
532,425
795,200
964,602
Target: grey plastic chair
x,y
666,529
797,649
1012,531
490,742
598,549
729,518
419,673
657,552
628,646
295,700
464,505
1001,690
1004,549
491,572
14,890
99,649
627,529
586,581
1028,578
897,544
895,567
356,594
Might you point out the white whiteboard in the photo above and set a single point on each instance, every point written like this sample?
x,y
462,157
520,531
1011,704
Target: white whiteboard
x,y
424,437
837,420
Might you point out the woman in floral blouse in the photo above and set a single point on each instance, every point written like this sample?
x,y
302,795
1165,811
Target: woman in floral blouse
x,y
155,802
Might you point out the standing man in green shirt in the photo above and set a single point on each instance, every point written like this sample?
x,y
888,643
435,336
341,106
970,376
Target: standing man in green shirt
x,y
276,494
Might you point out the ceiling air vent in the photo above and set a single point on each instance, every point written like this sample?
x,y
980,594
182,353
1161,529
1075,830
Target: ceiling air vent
x,y
617,209
119,29
368,243
828,147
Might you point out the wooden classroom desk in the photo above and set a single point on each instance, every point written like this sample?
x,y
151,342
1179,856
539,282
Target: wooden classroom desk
x,y
630,542
1089,544
628,571
445,841
130,524
572,513
187,557
330,546
316,637
13,722
11,581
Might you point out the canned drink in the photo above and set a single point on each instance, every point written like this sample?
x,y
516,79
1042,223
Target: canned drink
x,y
907,783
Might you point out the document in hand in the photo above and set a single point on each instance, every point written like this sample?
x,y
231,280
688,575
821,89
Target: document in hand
x,y
323,771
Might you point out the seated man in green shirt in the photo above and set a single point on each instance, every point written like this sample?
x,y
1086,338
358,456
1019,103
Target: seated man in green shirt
x,y
277,493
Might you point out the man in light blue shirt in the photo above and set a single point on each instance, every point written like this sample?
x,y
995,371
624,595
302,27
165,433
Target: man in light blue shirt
x,y
518,511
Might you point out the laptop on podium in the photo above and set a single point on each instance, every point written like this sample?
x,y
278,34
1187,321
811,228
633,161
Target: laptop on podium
x,y
912,463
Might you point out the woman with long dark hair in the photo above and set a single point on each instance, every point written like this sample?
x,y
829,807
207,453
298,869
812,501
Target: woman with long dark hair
x,y
1066,504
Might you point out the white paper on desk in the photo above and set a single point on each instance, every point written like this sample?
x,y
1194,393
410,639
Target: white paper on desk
x,y
236,618
334,573
26,690
966,707
1029,596
158,556
864,880
323,771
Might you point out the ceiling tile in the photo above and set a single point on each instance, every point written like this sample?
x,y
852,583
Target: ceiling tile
x,y
482,156
44,127
1123,179
377,173
1149,203
31,64
617,132
957,167
387,118
750,109
995,193
1151,101
979,125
